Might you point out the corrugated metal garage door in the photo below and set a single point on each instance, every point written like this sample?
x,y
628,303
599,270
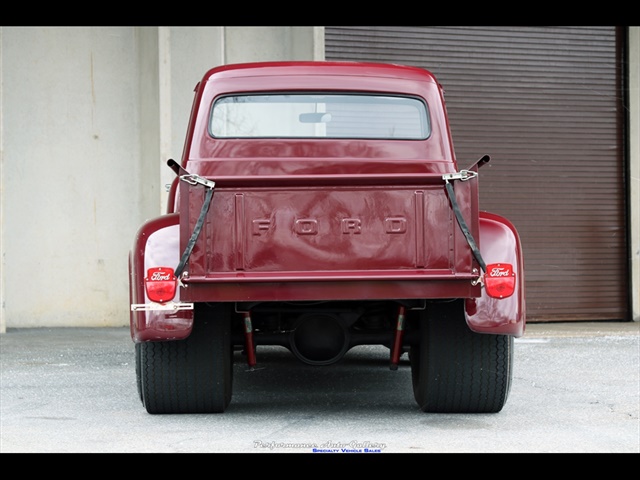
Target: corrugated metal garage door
x,y
546,103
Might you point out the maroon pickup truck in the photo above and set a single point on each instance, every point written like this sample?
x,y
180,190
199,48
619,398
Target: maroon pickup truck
x,y
319,206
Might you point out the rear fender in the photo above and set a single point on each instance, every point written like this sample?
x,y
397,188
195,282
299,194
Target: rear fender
x,y
499,243
157,243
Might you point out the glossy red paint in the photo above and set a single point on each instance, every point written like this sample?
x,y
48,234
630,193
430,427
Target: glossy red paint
x,y
499,242
324,219
156,244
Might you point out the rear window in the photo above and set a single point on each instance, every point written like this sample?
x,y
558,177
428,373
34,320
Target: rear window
x,y
319,115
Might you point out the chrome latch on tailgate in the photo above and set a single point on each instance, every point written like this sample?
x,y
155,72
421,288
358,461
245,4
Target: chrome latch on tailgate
x,y
462,175
193,179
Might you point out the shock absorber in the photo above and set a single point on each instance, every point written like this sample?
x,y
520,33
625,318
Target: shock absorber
x,y
248,340
396,351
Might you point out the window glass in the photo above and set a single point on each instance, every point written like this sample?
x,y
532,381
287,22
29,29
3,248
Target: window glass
x,y
319,116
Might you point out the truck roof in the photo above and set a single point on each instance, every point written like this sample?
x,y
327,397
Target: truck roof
x,y
329,68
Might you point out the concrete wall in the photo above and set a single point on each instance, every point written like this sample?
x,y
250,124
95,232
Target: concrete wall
x,y
70,173
89,117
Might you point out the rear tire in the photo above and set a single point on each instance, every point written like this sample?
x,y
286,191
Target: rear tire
x,y
455,370
193,375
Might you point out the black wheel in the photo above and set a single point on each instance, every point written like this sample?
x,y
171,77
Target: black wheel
x,y
455,370
193,375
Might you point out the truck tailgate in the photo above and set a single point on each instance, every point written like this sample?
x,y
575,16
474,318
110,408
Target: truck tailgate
x,y
326,232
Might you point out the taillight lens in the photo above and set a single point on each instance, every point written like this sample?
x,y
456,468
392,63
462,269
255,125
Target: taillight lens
x,y
160,284
500,280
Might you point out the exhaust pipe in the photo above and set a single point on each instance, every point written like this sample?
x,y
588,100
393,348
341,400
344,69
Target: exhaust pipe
x,y
319,338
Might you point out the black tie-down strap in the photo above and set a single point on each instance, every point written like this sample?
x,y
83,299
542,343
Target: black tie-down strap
x,y
193,179
463,175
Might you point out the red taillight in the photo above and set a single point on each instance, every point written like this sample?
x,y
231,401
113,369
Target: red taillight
x,y
500,280
160,284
